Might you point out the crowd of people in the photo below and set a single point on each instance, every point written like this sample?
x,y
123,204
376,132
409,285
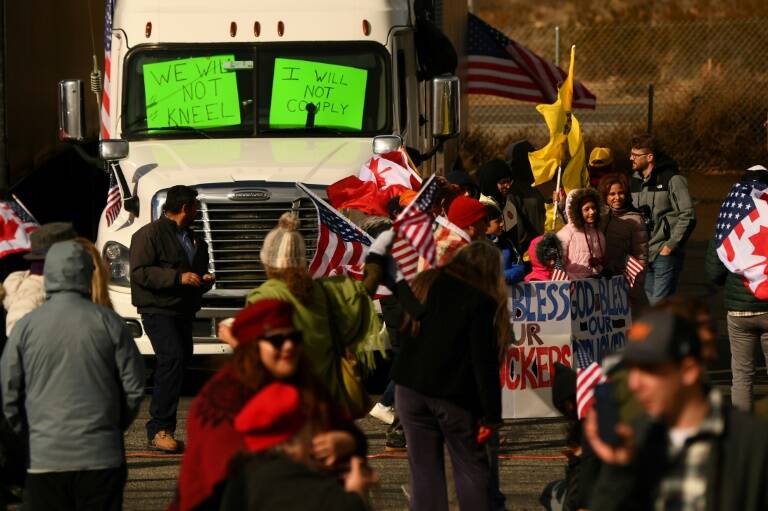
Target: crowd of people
x,y
274,427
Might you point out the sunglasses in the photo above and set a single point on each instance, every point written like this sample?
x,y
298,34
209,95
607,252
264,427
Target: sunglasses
x,y
277,340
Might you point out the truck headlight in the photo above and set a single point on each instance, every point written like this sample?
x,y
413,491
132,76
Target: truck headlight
x,y
157,204
116,258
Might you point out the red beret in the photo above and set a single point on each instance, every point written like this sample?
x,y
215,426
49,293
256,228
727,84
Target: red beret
x,y
465,211
261,317
271,417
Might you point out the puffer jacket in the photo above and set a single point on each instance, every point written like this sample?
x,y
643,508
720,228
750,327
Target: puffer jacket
x,y
664,198
23,293
71,372
625,233
581,242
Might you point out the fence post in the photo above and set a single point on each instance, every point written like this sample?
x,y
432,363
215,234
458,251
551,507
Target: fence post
x,y
557,46
650,108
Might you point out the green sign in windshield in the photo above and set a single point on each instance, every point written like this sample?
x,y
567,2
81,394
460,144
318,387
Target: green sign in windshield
x,y
196,92
338,93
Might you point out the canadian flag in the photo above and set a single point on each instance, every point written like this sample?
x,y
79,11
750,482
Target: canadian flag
x,y
15,227
381,178
741,235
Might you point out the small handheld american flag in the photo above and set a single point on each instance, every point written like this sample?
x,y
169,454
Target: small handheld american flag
x,y
341,245
558,273
633,268
414,232
586,380
114,199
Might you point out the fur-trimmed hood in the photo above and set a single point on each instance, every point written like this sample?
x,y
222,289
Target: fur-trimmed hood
x,y
577,199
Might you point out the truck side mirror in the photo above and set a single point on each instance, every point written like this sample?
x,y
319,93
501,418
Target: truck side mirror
x,y
383,144
113,150
446,104
71,111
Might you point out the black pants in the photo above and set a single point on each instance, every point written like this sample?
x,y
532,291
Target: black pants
x,y
429,423
171,338
81,490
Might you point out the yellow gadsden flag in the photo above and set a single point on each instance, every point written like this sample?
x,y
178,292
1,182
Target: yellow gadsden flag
x,y
564,130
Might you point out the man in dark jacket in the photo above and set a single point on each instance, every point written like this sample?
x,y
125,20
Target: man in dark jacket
x,y
169,274
661,195
694,452
747,314
73,377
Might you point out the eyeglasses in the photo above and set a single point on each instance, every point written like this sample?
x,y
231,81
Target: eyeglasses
x,y
277,340
633,156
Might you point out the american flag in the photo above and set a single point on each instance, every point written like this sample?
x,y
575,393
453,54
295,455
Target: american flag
x,y
586,380
340,244
741,234
114,199
16,224
109,7
414,231
448,239
632,269
558,273
501,67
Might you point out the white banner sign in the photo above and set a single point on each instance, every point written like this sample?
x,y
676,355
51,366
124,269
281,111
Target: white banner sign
x,y
572,323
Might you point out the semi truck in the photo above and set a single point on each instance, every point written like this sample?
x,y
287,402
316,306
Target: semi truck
x,y
241,100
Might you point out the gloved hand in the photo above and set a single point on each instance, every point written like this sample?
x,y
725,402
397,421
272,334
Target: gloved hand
x,y
383,243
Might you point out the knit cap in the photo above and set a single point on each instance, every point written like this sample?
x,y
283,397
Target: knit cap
x,y
465,211
284,246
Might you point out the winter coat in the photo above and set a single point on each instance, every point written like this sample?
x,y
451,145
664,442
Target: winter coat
x,y
541,249
625,234
341,315
582,242
454,355
269,481
23,293
71,371
512,263
736,296
664,198
157,261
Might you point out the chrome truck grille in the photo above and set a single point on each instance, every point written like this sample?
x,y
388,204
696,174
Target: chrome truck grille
x,y
235,231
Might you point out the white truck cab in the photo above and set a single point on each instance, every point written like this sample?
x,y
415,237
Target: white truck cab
x,y
241,100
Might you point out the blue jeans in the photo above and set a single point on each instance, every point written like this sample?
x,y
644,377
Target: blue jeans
x,y
171,338
661,277
388,397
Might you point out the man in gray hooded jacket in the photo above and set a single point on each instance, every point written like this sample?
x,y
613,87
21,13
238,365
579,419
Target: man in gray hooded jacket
x,y
72,376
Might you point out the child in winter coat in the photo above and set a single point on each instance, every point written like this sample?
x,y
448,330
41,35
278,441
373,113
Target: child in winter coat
x,y
545,253
583,243
513,266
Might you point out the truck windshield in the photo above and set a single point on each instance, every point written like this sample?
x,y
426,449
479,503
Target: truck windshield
x,y
269,89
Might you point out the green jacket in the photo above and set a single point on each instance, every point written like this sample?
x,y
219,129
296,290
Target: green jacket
x,y
341,316
736,296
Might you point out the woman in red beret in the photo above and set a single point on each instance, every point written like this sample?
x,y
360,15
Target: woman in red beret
x,y
269,348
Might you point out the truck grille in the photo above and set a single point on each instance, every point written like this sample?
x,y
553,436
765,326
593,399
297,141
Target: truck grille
x,y
235,232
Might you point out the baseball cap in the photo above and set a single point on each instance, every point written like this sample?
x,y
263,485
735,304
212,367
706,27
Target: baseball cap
x,y
600,157
661,336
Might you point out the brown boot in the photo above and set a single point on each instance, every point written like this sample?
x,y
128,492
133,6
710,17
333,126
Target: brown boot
x,y
165,442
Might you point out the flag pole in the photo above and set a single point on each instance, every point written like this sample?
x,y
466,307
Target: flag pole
x,y
557,194
24,207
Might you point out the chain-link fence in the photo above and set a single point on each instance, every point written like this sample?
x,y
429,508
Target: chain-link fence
x,y
709,83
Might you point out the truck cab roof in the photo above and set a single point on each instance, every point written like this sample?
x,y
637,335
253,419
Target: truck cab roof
x,y
202,21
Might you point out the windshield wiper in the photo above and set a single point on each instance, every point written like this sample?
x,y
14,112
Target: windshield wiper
x,y
146,129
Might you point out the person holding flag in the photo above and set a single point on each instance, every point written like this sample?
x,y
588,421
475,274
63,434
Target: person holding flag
x,y
564,137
